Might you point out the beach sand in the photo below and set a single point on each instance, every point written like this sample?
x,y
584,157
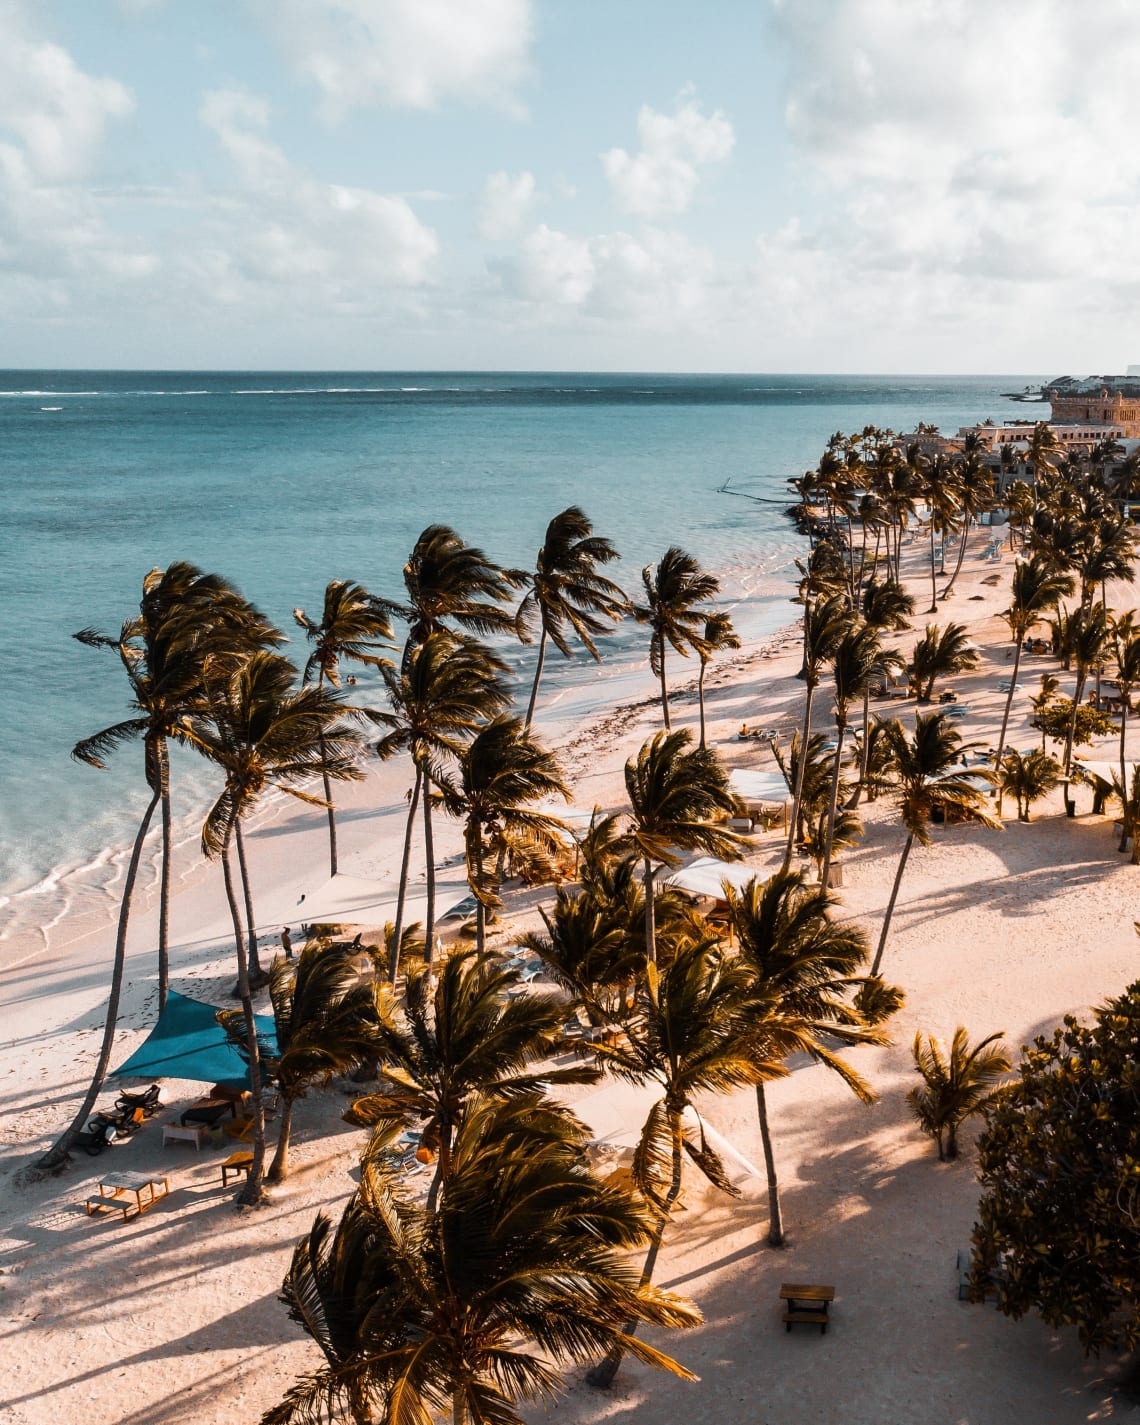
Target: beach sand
x,y
174,1316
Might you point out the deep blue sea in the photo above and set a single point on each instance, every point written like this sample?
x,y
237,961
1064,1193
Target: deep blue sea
x,y
282,481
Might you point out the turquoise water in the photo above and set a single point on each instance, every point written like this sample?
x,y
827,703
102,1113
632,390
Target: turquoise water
x,y
282,481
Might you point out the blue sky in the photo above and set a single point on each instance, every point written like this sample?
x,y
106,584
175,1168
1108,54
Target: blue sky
x,y
777,185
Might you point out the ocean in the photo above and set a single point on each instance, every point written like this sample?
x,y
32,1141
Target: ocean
x,y
282,481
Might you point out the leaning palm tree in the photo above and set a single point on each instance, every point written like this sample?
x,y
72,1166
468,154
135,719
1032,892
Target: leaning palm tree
x,y
803,967
503,771
887,607
445,687
718,635
674,795
692,1032
976,496
1036,590
676,588
567,594
940,653
457,1039
450,582
326,1024
926,777
263,732
956,1088
465,1309
353,625
826,620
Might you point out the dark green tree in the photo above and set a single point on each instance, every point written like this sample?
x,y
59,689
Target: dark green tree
x,y
955,1086
676,592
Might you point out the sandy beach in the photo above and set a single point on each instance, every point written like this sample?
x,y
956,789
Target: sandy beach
x,y
174,1317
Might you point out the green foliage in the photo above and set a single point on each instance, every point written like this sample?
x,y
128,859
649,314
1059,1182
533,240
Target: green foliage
x,y
940,653
955,1088
1054,721
877,1001
471,1307
1059,1166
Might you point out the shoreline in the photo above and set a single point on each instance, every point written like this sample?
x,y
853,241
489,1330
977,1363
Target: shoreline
x,y
993,930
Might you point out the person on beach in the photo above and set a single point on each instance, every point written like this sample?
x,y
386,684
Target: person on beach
x,y
287,943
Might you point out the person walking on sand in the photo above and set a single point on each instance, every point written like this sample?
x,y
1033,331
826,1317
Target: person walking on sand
x,y
287,943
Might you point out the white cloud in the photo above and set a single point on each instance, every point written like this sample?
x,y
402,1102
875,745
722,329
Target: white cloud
x,y
973,163
412,54
284,226
658,279
661,179
505,205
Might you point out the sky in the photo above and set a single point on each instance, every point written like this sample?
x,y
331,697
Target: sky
x,y
655,185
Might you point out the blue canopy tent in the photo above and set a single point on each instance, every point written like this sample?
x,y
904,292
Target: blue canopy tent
x,y
189,1043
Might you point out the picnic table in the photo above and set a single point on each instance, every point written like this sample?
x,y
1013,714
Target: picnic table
x,y
127,1193
806,1305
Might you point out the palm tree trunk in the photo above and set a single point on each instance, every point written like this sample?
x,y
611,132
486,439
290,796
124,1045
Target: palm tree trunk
x,y
58,1155
833,804
650,914
801,767
775,1222
603,1374
331,813
257,976
163,756
961,555
1019,636
864,752
401,893
480,908
701,699
279,1168
1126,829
664,689
429,858
891,905
537,676
252,1192
933,609
1078,694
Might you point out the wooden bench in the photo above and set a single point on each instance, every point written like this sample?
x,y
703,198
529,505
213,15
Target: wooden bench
x,y
806,1305
236,1164
113,1202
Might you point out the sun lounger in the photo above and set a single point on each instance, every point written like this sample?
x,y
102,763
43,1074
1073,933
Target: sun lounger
x,y
236,1164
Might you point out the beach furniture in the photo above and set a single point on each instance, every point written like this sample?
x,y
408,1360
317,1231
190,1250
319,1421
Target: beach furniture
x,y
236,1164
194,1133
208,1111
149,1100
132,1194
806,1305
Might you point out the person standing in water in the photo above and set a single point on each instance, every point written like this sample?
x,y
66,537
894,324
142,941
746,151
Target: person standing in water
x,y
287,943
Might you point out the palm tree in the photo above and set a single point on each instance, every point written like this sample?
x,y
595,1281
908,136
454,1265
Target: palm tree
x,y
718,635
940,653
1126,650
1029,777
887,607
567,594
955,1089
675,589
470,1307
826,620
691,1032
184,616
858,663
444,688
462,1038
975,495
1036,590
448,581
1044,450
326,1024
803,967
941,489
503,771
262,731
926,777
1090,634
589,952
674,794
352,625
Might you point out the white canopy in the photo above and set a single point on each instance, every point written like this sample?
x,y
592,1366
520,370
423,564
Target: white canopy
x,y
1106,771
705,875
616,1115
753,786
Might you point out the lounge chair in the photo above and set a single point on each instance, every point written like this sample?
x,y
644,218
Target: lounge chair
x,y
149,1100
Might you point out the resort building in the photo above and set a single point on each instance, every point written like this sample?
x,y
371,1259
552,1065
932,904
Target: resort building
x,y
1098,400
